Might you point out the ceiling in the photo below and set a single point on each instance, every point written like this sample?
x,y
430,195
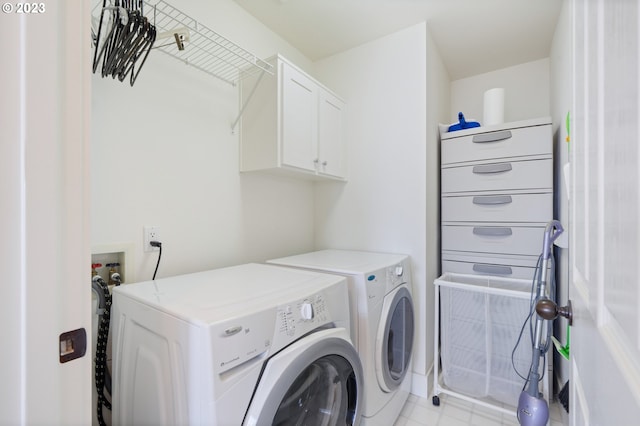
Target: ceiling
x,y
473,36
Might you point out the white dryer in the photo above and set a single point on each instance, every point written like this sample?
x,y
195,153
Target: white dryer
x,y
382,322
246,345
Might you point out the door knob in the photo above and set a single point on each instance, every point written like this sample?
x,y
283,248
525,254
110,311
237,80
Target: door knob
x,y
548,310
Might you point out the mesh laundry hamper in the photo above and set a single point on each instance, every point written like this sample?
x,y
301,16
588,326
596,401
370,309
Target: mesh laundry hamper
x,y
480,320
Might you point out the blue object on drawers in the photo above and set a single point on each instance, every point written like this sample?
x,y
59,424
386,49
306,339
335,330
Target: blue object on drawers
x,y
463,124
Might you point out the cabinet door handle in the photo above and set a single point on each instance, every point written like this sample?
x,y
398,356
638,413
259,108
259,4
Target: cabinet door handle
x,y
492,168
489,200
484,268
492,137
492,231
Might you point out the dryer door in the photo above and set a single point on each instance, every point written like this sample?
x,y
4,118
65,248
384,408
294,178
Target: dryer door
x,y
315,381
394,341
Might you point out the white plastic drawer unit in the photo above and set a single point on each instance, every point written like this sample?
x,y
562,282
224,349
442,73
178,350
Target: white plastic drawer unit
x,y
493,238
510,271
496,142
503,175
510,266
504,207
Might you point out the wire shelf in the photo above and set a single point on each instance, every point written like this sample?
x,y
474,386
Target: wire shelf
x,y
203,48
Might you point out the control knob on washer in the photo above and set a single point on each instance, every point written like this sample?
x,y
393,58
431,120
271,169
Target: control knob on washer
x,y
399,271
306,311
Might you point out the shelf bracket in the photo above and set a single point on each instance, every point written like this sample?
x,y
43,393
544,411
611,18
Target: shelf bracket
x,y
244,105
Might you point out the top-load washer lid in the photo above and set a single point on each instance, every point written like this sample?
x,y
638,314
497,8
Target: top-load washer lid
x,y
341,261
217,295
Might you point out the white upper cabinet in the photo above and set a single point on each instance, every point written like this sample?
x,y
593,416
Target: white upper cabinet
x,y
291,124
299,116
331,146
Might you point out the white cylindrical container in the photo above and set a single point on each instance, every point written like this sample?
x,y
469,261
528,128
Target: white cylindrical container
x,y
493,106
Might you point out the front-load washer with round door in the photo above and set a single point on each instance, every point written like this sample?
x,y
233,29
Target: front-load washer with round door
x,y
245,345
382,322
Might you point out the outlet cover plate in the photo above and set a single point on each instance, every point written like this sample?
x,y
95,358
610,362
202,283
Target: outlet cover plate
x,y
151,233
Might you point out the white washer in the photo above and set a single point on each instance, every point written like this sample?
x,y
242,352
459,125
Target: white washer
x,y
382,322
250,344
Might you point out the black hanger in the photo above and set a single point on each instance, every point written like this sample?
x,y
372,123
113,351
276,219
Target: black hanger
x,y
129,39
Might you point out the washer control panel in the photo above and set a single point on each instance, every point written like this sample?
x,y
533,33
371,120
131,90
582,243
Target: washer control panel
x,y
396,275
240,340
257,335
302,316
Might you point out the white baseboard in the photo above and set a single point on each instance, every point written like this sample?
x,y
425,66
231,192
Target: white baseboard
x,y
421,384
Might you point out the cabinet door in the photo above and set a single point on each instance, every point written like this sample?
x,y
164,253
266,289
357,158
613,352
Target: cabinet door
x,y
299,119
331,152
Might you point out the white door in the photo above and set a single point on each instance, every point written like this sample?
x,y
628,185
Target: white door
x,y
331,152
44,244
299,119
605,214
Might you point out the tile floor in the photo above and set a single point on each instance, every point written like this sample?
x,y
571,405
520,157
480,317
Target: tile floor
x,y
457,412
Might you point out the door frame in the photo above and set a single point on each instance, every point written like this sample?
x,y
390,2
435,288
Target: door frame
x,y
45,111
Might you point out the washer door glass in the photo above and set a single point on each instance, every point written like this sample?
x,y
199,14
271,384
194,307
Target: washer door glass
x,y
323,395
315,381
397,341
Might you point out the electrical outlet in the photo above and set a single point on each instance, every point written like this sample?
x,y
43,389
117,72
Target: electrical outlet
x,y
151,233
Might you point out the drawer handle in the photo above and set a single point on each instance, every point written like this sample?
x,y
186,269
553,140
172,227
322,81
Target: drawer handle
x,y
233,330
492,137
492,269
489,231
492,200
492,168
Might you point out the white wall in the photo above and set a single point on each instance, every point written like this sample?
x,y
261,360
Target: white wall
x,y
390,203
163,154
526,92
561,101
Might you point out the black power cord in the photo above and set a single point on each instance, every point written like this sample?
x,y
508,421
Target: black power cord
x,y
159,245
